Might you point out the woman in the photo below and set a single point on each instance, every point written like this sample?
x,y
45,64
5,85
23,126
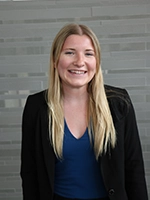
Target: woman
x,y
79,137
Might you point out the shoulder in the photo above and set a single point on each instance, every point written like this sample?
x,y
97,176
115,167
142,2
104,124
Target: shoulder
x,y
119,101
115,92
35,101
38,98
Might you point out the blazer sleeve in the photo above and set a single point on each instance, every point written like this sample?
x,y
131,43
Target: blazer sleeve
x,y
28,164
135,182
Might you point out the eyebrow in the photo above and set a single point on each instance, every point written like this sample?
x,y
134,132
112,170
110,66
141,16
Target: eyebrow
x,y
69,49
90,50
75,49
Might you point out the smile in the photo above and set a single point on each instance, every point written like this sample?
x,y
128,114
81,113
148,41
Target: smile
x,y
77,71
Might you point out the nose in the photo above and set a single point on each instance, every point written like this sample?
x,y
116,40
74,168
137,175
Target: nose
x,y
79,61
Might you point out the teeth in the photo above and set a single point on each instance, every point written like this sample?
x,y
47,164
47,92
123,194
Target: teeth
x,y
77,72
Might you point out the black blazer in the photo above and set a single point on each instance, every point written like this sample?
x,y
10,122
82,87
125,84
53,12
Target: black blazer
x,y
122,167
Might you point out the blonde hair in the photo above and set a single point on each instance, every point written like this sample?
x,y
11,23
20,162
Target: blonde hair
x,y
101,126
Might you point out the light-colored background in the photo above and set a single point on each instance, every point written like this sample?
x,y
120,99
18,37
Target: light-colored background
x,y
26,33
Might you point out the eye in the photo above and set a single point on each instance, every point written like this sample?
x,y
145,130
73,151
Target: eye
x,y
89,54
69,52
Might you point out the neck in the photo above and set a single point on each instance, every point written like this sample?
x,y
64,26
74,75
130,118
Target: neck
x,y
75,95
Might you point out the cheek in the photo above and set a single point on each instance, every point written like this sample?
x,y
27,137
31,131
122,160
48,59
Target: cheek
x,y
61,67
62,63
93,67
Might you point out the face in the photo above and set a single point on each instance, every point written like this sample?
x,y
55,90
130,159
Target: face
x,y
77,62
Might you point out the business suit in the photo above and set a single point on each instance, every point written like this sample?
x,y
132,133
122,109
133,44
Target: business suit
x,y
122,167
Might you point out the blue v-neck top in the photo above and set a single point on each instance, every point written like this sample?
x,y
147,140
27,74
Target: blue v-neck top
x,y
78,174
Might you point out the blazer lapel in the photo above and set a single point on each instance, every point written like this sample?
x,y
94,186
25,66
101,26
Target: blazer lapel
x,y
48,153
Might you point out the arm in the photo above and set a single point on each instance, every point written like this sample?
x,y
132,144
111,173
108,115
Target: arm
x,y
28,163
134,166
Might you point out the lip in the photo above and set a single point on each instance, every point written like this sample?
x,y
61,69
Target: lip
x,y
78,72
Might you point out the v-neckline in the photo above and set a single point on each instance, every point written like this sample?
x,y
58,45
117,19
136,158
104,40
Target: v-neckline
x,y
72,133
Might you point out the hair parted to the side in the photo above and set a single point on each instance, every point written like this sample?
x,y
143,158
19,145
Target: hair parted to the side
x,y
99,117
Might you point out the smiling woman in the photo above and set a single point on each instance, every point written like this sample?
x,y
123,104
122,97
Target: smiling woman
x,y
77,62
80,138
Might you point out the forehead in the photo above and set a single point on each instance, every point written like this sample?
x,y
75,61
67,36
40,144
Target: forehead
x,y
78,41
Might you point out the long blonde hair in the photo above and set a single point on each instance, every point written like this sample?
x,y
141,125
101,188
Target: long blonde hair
x,y
101,125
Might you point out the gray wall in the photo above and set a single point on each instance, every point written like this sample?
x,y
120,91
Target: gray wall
x,y
26,33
